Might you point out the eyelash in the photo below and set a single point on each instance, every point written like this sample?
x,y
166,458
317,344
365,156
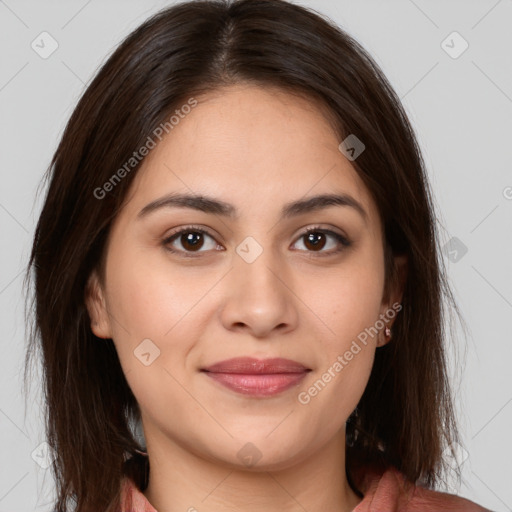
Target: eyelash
x,y
345,243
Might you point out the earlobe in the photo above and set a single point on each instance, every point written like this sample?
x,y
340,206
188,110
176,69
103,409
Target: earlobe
x,y
395,297
96,307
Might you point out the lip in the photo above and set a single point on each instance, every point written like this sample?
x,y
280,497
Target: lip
x,y
257,377
253,366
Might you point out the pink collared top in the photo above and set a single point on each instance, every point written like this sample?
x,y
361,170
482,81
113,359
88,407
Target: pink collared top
x,y
385,492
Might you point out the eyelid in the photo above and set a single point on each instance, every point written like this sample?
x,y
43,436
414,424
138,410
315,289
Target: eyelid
x,y
318,227
342,239
185,229
189,227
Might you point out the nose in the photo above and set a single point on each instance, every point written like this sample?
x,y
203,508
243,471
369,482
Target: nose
x,y
260,297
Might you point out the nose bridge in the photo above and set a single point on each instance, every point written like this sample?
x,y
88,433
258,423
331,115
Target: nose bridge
x,y
256,266
258,298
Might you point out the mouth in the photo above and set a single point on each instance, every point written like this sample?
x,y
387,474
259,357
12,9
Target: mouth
x,y
257,377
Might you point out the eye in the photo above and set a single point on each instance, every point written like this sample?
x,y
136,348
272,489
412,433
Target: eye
x,y
191,239
316,239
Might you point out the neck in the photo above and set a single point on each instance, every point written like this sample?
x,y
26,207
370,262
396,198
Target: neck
x,y
181,480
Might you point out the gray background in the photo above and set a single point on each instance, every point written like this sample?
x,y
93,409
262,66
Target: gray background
x,y
461,109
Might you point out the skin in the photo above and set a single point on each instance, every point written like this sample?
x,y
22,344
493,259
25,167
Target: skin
x,y
256,149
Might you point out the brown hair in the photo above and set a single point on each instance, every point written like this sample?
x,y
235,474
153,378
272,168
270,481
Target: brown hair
x,y
405,417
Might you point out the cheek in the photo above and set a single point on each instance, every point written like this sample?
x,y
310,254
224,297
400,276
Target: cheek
x,y
156,318
149,295
348,304
337,386
135,299
347,301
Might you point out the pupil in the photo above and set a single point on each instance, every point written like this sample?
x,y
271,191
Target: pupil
x,y
312,238
191,239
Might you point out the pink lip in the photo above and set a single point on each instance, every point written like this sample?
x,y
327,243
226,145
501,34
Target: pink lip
x,y
250,376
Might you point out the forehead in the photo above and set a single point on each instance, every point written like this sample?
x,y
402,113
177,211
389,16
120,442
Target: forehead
x,y
256,148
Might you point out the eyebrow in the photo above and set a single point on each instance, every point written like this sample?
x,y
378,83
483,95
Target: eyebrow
x,y
216,206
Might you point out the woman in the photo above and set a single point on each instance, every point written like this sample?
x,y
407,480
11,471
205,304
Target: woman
x,y
238,254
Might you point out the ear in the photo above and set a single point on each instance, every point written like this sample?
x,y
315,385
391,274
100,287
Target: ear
x,y
96,307
394,296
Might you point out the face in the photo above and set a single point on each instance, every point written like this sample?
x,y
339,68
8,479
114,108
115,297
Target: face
x,y
246,282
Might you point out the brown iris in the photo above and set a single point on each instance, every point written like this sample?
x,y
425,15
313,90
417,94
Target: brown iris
x,y
314,239
192,240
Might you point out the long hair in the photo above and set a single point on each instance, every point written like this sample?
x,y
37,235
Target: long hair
x,y
405,417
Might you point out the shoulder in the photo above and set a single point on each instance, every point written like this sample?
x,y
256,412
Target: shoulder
x,y
390,492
